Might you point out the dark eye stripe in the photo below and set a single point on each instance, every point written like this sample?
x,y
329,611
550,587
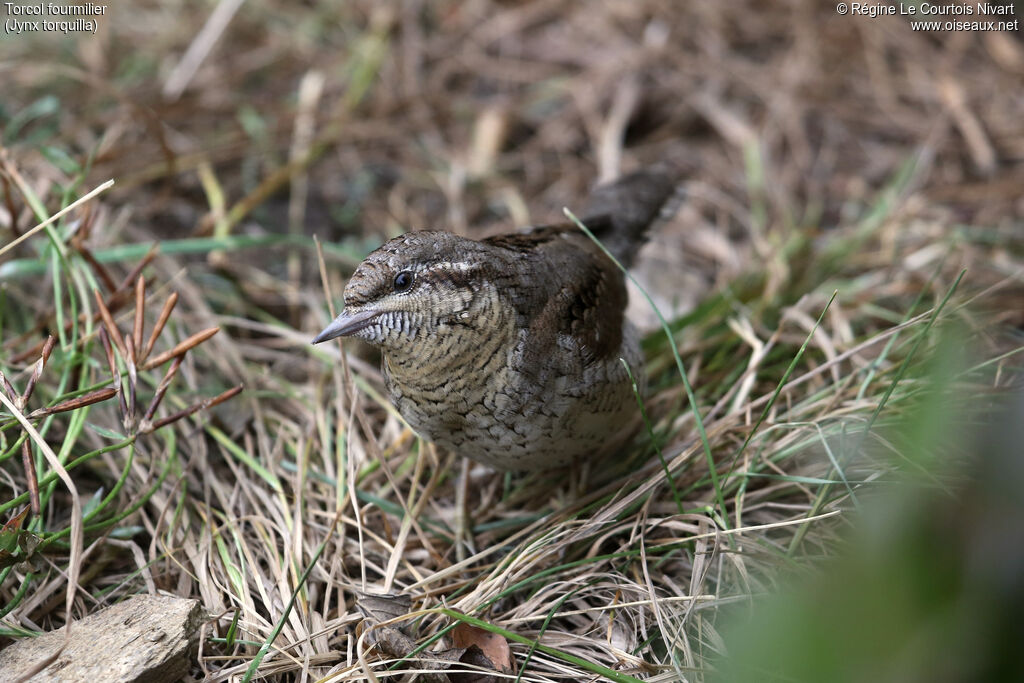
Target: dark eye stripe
x,y
371,280
457,273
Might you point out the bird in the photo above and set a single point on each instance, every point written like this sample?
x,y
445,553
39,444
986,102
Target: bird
x,y
510,350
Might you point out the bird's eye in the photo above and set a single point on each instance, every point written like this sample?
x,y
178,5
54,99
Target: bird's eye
x,y
403,281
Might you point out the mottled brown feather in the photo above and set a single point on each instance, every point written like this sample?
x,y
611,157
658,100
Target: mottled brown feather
x,y
507,349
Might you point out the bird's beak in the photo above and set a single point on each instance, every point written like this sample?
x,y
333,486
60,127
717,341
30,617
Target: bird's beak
x,y
347,323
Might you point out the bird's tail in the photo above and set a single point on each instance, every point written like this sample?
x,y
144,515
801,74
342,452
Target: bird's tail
x,y
619,213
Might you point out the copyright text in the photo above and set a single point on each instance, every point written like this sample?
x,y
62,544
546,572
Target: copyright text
x,y
926,16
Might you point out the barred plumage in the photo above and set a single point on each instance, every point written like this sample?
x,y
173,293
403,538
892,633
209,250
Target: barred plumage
x,y
506,350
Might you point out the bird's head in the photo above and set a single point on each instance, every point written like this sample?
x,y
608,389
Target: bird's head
x,y
416,287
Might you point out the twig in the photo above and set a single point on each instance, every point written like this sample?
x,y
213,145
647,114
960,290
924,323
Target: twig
x,y
165,315
191,342
196,407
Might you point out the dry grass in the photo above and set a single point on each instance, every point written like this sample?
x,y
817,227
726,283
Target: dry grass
x,y
832,154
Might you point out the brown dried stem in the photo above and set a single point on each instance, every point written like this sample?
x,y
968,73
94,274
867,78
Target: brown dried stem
x,y
114,371
140,310
191,342
8,387
165,314
202,405
132,382
98,268
114,303
108,322
161,390
137,270
37,372
31,477
97,396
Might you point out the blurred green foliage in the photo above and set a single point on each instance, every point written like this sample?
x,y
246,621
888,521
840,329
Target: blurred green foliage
x,y
930,586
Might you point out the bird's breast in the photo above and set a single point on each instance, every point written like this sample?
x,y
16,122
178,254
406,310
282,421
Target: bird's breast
x,y
485,407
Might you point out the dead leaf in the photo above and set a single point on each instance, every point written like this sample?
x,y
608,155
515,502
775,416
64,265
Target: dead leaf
x,y
493,646
393,641
472,646
384,607
474,656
